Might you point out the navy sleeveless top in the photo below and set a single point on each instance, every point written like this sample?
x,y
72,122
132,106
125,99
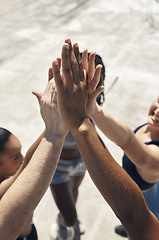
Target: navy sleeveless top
x,y
130,167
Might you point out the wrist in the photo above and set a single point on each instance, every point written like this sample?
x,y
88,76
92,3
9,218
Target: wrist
x,y
51,136
96,112
74,124
82,128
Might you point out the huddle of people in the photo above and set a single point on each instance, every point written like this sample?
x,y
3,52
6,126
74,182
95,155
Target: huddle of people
x,y
70,107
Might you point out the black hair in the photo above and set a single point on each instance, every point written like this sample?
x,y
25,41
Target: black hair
x,y
98,60
4,137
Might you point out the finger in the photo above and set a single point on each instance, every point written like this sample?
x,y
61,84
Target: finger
x,y
85,59
94,82
66,65
73,62
59,62
50,74
50,89
68,41
74,66
37,94
97,92
79,61
76,51
91,66
57,76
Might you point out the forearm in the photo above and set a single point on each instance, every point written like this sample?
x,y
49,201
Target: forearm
x,y
111,180
115,130
26,192
4,186
32,149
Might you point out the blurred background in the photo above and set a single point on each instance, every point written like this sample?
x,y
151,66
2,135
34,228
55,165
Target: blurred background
x,y
124,33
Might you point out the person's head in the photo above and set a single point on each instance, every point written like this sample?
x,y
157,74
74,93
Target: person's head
x,y
153,116
98,60
10,154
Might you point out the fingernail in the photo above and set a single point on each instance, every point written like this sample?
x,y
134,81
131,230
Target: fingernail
x,y
68,40
76,45
56,62
67,46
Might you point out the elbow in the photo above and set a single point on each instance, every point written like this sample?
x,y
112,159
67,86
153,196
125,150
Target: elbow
x,y
134,215
125,215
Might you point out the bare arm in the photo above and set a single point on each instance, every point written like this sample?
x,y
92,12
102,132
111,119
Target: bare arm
x,y
4,186
117,188
113,182
143,156
18,203
34,146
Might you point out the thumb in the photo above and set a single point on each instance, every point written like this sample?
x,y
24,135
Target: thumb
x,y
95,93
38,95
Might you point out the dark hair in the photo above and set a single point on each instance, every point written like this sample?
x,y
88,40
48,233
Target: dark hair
x,y
98,60
4,137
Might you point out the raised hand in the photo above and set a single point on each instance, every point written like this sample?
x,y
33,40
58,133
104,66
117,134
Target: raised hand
x,y
48,107
71,86
93,78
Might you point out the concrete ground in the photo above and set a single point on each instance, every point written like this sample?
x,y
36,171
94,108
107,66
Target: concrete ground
x,y
124,33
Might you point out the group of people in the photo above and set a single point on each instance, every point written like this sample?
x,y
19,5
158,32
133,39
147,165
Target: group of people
x,y
70,106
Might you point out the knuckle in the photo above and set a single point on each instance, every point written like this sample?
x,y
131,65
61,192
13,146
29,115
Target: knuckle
x,y
80,65
74,65
67,69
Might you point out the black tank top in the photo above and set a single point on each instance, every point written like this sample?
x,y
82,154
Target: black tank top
x,y
130,167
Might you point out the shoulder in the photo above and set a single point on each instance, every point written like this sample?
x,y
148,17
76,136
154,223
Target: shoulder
x,y
139,127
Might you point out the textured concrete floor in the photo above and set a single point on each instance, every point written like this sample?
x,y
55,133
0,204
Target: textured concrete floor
x,y
124,33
